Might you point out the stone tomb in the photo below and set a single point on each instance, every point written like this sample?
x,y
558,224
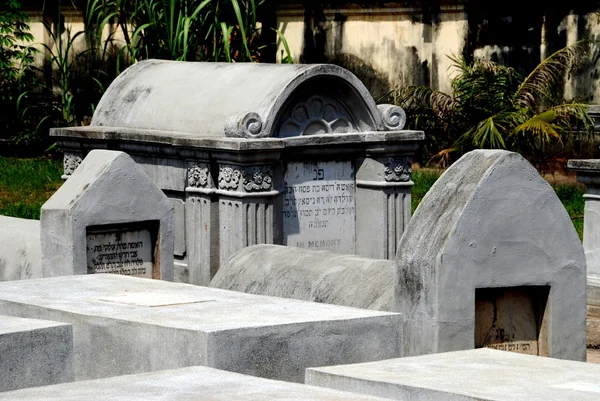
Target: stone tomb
x,y
482,374
109,217
491,259
191,383
125,325
34,353
317,276
259,154
588,173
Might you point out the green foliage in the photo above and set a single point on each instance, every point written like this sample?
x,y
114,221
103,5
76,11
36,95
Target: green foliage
x,y
423,179
492,106
16,59
195,30
81,65
25,184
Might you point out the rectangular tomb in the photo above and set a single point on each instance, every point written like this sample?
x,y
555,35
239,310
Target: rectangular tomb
x,y
192,383
481,374
34,353
319,210
125,325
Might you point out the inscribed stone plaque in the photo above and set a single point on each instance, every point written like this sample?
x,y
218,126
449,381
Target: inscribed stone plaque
x,y
127,252
512,319
319,208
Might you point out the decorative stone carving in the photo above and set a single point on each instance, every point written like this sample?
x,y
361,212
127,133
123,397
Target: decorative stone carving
x,y
229,177
394,117
70,162
258,179
398,169
198,176
244,125
317,115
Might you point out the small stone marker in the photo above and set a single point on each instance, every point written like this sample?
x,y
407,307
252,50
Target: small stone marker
x,y
319,209
108,217
491,259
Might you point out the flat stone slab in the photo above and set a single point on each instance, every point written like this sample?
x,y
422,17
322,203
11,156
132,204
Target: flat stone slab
x,y
481,374
126,325
34,353
193,383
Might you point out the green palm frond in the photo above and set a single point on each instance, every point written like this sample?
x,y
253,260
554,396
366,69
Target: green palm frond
x,y
489,133
540,129
425,98
546,82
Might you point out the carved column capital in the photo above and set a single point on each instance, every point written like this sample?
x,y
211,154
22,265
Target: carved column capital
x,y
398,169
71,160
248,179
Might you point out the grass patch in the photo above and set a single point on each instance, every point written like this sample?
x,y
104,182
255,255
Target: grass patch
x,y
423,179
571,197
25,184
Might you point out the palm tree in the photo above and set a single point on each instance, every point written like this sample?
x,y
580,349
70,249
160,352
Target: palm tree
x,y
493,106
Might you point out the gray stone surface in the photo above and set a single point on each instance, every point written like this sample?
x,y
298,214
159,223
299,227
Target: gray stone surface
x,y
34,353
166,95
20,249
127,325
192,383
492,227
317,276
108,217
482,374
182,121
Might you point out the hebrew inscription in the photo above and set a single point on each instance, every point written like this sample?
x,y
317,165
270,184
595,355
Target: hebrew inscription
x,y
127,252
511,319
319,208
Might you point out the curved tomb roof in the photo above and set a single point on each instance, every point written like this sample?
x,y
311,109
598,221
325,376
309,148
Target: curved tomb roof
x,y
242,100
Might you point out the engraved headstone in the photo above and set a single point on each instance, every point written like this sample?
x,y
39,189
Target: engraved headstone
x,y
116,251
319,208
108,217
491,259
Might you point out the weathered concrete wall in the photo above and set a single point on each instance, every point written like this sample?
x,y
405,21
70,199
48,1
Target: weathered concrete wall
x,y
20,249
384,46
388,44
317,276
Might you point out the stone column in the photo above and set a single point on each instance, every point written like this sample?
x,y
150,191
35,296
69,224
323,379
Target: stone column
x,y
383,203
201,223
249,206
588,173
